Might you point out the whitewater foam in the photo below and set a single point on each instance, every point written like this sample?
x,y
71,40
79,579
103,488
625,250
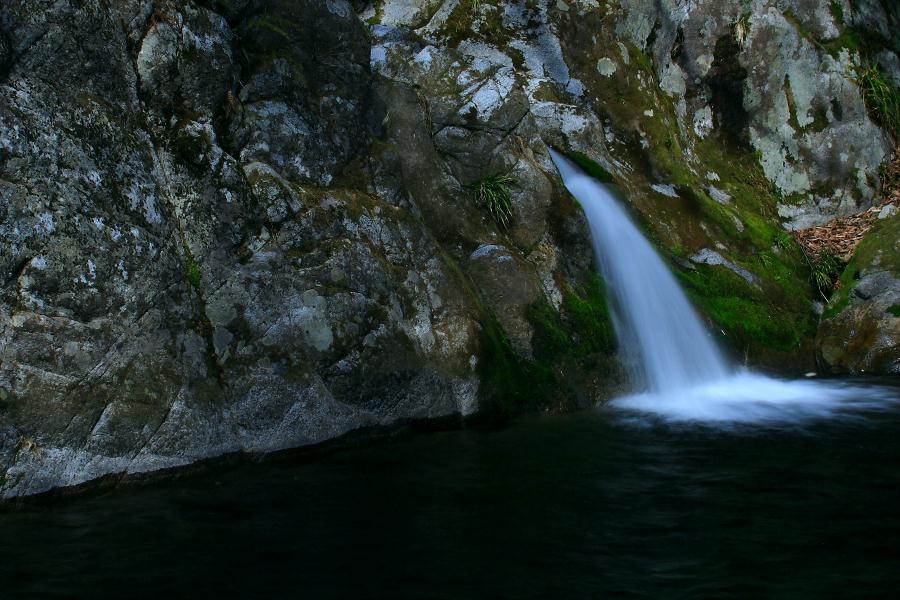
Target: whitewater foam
x,y
667,348
748,397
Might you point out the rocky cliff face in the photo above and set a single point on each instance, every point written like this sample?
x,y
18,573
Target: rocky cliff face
x,y
250,225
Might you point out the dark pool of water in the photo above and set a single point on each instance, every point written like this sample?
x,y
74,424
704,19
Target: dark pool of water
x,y
581,506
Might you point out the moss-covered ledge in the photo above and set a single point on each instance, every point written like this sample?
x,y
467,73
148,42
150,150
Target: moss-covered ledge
x,y
860,329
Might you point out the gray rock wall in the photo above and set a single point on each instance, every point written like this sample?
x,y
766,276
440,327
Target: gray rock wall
x,y
245,226
175,284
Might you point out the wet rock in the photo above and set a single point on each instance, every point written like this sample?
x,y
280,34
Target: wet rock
x,y
875,284
864,334
208,301
509,286
157,61
185,61
865,337
711,257
6,53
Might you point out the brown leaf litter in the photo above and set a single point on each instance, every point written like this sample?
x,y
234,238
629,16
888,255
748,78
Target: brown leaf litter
x,y
842,235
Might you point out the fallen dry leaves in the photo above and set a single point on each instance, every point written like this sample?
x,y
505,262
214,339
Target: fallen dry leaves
x,y
841,235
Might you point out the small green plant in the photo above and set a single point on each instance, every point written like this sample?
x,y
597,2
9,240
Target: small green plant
x,y
895,310
766,259
741,29
783,241
192,271
492,193
881,97
838,11
824,271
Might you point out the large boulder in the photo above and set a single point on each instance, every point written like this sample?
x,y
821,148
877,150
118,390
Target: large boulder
x,y
861,329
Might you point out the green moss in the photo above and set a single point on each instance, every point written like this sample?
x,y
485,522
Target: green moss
x,y
587,311
774,314
743,314
200,321
865,42
477,20
591,168
551,336
639,58
510,383
841,296
581,328
753,322
895,309
192,271
880,249
838,11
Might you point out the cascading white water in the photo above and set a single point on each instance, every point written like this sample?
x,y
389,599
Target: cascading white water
x,y
659,332
663,340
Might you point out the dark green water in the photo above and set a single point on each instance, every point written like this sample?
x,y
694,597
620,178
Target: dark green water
x,y
580,506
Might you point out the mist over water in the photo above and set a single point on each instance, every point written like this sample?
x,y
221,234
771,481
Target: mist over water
x,y
673,359
748,397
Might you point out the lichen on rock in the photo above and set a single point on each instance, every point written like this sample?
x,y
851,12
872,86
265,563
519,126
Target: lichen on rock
x,y
245,226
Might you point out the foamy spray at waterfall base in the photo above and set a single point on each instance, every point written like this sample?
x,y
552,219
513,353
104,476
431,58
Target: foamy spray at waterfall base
x,y
673,359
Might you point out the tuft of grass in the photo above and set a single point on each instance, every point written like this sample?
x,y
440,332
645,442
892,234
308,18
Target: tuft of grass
x,y
783,241
824,272
881,97
492,192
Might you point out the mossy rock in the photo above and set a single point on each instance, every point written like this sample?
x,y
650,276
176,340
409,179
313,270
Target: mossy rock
x,y
749,321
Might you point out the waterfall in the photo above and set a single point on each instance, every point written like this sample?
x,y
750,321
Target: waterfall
x,y
670,353
660,335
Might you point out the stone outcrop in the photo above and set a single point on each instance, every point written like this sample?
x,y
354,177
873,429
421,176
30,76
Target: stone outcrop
x,y
860,332
248,225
